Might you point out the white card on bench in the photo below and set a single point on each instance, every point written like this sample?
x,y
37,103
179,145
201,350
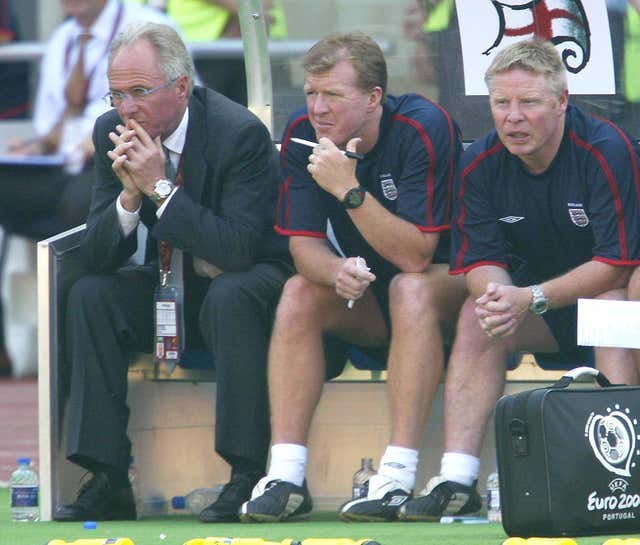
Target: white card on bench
x,y
609,323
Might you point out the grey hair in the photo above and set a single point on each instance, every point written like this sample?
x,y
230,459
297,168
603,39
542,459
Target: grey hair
x,y
173,56
537,56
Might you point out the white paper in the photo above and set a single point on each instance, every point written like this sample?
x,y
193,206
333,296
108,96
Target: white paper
x,y
609,323
32,160
480,29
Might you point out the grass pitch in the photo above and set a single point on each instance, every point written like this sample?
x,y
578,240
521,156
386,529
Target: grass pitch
x,y
179,529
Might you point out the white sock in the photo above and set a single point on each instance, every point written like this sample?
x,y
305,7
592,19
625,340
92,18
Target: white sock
x,y
400,464
459,467
288,463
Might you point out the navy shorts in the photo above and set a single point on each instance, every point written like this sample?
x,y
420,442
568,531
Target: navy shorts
x,y
338,351
563,323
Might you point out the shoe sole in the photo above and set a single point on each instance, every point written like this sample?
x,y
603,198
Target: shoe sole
x,y
418,518
259,517
354,517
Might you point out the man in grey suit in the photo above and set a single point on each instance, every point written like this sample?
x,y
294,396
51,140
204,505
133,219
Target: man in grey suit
x,y
213,202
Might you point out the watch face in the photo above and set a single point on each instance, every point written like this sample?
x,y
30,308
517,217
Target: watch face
x,y
163,188
540,306
354,197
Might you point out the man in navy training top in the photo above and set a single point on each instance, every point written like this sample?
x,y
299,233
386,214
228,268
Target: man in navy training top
x,y
546,212
390,215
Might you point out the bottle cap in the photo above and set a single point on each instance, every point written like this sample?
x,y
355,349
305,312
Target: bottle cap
x,y
178,502
90,525
24,461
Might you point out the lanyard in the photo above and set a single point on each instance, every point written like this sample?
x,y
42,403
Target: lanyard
x,y
165,250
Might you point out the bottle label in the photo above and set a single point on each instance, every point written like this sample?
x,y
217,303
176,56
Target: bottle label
x,y
359,491
493,500
24,496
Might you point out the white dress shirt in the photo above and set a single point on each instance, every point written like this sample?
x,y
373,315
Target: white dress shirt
x,y
60,57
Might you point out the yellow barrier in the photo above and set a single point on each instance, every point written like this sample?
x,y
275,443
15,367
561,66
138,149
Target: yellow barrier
x,y
94,541
260,541
618,541
539,541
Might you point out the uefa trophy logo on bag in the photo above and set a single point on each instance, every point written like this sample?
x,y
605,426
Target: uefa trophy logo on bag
x,y
613,440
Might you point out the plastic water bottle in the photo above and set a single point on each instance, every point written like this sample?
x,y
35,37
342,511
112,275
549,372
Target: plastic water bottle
x,y
493,498
200,498
361,479
24,492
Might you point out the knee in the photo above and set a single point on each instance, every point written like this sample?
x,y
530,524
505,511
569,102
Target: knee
x,y
619,294
225,292
412,296
634,286
301,300
87,292
469,334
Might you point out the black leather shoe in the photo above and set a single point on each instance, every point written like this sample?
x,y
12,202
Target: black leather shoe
x,y
233,495
99,500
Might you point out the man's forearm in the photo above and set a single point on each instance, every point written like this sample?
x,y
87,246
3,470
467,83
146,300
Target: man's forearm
x,y
315,260
394,238
587,280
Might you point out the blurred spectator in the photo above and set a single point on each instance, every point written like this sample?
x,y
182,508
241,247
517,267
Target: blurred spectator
x,y
37,200
631,64
14,76
209,20
14,103
72,84
434,25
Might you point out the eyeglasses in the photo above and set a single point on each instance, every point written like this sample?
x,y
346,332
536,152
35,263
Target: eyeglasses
x,y
113,98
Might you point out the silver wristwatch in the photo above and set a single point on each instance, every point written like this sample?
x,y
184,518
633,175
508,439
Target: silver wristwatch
x,y
161,190
539,303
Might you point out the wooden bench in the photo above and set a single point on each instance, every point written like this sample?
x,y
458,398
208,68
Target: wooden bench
x,y
172,417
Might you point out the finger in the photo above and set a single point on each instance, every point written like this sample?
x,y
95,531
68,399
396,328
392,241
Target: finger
x,y
498,306
504,330
158,142
364,275
352,145
140,133
496,320
118,162
491,288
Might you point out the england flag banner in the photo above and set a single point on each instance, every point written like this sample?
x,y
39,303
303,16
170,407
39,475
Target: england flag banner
x,y
578,28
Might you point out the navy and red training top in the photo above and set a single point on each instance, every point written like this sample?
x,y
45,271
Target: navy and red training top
x,y
537,226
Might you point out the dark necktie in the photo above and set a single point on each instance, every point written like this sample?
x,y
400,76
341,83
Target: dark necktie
x,y
76,89
169,169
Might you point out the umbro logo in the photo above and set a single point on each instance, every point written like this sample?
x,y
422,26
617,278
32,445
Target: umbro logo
x,y
511,219
397,500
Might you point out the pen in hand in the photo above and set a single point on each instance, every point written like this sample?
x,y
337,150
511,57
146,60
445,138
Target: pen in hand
x,y
361,265
350,154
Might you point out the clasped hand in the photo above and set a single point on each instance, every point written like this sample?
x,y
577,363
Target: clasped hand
x,y
502,308
353,278
138,160
331,169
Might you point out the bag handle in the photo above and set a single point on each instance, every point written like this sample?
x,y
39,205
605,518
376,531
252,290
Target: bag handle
x,y
570,376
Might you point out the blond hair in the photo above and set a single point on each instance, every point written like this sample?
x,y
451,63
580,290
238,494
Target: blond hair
x,y
537,56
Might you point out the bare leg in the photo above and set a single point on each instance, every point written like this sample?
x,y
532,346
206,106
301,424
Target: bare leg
x,y
476,375
296,356
423,307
